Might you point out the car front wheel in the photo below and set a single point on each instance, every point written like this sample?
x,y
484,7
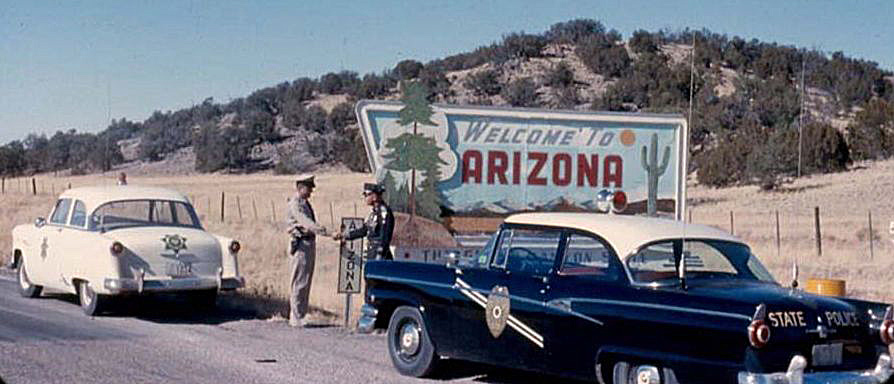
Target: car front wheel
x,y
91,302
411,349
26,288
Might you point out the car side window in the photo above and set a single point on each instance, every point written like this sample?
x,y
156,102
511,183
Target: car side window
x,y
528,251
586,255
60,213
78,215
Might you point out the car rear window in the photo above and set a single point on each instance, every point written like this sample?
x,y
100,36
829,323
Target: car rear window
x,y
585,255
131,213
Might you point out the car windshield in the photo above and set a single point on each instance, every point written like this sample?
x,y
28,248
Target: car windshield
x,y
705,259
131,213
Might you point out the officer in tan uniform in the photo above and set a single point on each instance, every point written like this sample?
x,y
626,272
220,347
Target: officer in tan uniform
x,y
303,230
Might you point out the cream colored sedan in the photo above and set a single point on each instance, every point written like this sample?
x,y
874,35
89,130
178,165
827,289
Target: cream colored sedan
x,y
109,241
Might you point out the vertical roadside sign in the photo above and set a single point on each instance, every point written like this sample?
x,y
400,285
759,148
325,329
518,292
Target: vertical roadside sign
x,y
350,266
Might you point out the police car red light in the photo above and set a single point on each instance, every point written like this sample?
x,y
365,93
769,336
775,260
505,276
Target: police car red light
x,y
619,201
116,248
235,247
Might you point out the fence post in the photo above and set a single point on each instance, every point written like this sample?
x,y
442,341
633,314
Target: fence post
x,y
222,200
239,207
871,237
778,237
732,224
273,210
254,207
3,186
33,186
819,242
690,215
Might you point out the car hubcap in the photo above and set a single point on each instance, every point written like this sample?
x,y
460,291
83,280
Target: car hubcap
x,y
647,375
23,278
409,339
86,295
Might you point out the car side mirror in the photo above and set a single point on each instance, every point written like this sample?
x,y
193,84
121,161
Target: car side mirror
x,y
39,222
451,260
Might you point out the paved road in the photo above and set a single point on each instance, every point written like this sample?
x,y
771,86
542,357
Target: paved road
x,y
49,340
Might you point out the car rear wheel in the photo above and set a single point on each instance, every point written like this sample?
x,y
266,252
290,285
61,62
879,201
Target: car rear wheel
x,y
411,349
91,302
26,288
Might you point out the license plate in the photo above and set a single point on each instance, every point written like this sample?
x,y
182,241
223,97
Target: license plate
x,y
827,354
179,269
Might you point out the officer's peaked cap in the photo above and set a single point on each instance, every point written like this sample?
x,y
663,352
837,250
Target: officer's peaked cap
x,y
306,179
373,188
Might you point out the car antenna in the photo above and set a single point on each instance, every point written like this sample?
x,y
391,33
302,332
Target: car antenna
x,y
682,210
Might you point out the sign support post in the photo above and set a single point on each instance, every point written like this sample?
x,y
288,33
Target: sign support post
x,y
350,266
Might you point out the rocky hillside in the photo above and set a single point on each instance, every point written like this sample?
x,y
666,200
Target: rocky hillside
x,y
746,106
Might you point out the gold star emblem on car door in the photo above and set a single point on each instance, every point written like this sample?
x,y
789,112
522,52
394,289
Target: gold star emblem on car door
x,y
175,243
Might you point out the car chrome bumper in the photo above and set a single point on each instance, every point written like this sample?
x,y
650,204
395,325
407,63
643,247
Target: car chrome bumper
x,y
139,285
367,321
796,375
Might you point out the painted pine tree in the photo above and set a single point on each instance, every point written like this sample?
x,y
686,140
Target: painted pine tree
x,y
410,151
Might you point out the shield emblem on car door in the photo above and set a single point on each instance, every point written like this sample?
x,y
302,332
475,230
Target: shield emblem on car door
x,y
497,310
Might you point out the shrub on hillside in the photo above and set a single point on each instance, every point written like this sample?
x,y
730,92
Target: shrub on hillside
x,y
436,81
373,86
484,83
643,42
521,93
603,57
575,31
871,134
338,83
523,46
560,76
407,69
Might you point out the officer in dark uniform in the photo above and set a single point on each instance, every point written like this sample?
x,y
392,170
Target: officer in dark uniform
x,y
378,227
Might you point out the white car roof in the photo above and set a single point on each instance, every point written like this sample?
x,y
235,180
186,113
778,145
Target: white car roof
x,y
624,233
93,197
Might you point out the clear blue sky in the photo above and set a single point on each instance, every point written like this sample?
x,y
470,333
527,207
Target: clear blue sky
x,y
67,64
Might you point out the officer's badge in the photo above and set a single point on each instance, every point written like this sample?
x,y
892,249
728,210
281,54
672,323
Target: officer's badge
x,y
497,310
175,243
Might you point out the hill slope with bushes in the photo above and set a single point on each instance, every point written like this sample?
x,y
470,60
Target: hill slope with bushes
x,y
747,106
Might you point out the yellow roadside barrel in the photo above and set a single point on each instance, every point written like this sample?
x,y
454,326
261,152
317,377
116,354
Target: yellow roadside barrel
x,y
825,287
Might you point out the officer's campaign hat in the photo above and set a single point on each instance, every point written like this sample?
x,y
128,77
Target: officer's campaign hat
x,y
372,188
306,179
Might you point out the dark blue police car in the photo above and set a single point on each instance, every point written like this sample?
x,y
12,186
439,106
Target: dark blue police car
x,y
622,299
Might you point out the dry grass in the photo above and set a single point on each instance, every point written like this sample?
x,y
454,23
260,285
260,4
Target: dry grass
x,y
844,200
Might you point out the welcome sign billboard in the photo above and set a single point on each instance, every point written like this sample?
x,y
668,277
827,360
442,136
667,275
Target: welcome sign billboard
x,y
495,161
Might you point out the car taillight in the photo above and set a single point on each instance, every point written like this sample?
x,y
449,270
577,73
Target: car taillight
x,y
619,201
758,333
116,248
235,246
886,331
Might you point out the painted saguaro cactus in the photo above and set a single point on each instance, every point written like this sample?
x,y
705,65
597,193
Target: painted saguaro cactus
x,y
654,171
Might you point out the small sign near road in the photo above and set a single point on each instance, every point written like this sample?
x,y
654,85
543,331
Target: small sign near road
x,y
350,266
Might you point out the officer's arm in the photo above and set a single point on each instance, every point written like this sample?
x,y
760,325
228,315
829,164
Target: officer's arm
x,y
387,228
356,233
